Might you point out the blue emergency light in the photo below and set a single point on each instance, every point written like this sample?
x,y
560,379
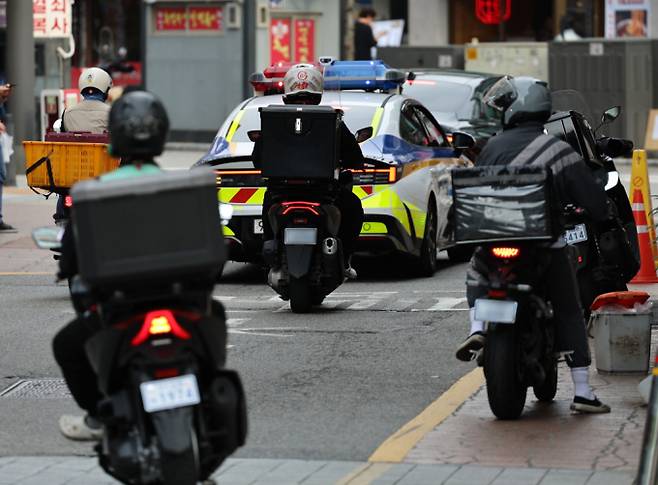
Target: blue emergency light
x,y
366,75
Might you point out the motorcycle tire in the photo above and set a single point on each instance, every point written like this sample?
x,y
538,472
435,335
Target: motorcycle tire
x,y
546,392
300,295
181,468
505,391
426,263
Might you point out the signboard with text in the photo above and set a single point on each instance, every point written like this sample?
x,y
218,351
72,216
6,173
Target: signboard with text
x,y
304,40
51,18
188,19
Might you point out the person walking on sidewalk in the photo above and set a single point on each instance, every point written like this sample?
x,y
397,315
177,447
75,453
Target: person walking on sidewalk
x,y
5,91
525,104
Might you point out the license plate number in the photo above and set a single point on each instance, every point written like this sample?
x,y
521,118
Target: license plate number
x,y
495,311
258,226
576,235
171,393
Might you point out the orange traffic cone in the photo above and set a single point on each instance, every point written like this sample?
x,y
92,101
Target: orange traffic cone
x,y
647,273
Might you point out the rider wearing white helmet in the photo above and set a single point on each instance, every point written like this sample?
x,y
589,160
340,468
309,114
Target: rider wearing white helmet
x,y
91,114
303,84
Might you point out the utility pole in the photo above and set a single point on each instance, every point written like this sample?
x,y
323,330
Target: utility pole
x,y
20,71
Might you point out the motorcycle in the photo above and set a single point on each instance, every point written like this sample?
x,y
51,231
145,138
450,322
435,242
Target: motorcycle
x,y
306,255
171,413
606,254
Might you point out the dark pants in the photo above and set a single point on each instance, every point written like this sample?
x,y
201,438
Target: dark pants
x,y
571,333
351,219
69,351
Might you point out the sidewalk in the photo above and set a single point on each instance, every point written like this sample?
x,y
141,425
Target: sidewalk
x,y
38,470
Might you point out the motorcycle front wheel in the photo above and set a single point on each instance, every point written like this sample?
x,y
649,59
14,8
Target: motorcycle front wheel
x,y
300,295
505,391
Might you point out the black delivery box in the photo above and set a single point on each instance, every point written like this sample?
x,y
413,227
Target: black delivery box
x,y
160,227
502,203
300,142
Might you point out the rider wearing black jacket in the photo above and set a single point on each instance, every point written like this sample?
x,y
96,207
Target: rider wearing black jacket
x,y
303,85
526,106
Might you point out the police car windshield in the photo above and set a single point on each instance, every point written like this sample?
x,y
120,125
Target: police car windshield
x,y
356,116
441,96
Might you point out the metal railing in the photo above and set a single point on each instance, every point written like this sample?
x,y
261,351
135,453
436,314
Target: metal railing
x,y
647,473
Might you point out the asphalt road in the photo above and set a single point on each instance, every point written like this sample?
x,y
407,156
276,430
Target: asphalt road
x,y
330,385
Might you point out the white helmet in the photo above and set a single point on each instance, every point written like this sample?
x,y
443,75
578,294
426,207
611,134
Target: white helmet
x,y
303,78
96,78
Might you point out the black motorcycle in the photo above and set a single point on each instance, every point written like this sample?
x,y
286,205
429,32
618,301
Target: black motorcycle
x,y
171,412
606,254
300,163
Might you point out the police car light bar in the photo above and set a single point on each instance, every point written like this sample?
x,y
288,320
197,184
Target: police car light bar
x,y
264,85
366,75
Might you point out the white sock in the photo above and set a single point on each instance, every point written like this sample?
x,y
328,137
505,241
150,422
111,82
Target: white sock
x,y
580,376
476,325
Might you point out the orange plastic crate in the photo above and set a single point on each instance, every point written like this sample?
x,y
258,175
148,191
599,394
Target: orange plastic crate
x,y
69,163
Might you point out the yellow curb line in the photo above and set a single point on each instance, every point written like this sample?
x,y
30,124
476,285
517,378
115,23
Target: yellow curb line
x,y
26,273
365,474
397,446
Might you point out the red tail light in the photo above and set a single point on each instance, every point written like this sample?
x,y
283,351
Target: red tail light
x,y
506,252
68,201
159,322
300,205
497,293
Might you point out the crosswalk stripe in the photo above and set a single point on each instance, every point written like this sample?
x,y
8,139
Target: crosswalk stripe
x,y
363,304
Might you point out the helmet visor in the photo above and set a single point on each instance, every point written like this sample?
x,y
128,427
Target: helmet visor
x,y
501,95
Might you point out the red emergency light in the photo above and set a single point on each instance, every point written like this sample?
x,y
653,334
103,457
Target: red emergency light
x,y
270,81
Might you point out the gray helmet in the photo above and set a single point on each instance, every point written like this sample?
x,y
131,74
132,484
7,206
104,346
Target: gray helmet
x,y
520,99
138,125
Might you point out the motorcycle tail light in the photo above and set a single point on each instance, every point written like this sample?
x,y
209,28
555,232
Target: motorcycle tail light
x,y
165,373
68,201
497,293
159,322
506,252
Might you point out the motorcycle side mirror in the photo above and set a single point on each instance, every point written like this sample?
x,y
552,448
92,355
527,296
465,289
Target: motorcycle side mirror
x,y
462,141
254,135
610,115
48,237
613,180
363,134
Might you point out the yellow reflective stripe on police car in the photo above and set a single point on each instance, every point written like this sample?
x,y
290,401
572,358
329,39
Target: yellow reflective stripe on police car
x,y
227,231
376,120
374,228
241,195
388,201
235,124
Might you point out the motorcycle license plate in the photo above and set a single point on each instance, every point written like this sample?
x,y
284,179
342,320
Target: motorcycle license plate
x,y
258,226
303,236
171,393
576,235
495,311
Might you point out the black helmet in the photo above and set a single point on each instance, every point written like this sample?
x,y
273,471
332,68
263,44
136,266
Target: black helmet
x,y
520,99
138,125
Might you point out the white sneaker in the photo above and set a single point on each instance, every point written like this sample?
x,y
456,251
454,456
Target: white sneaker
x,y
350,273
79,428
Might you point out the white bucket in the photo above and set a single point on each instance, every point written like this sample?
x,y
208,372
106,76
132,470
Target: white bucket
x,y
622,341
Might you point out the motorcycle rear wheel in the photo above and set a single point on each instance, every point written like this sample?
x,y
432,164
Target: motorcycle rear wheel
x,y
505,391
181,468
546,392
300,295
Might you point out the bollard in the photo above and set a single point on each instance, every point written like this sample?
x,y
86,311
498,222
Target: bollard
x,y
647,473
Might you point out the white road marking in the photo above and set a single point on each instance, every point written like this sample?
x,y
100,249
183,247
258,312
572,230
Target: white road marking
x,y
444,304
363,304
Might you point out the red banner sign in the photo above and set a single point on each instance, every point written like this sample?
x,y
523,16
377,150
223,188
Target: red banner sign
x,y
280,40
170,18
205,18
304,40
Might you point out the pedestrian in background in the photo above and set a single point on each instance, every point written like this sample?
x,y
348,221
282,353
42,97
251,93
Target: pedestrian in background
x,y
5,91
364,39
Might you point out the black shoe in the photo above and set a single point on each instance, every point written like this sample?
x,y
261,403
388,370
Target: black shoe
x,y
469,347
7,228
591,406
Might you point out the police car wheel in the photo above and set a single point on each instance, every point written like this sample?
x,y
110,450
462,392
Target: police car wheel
x,y
426,264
